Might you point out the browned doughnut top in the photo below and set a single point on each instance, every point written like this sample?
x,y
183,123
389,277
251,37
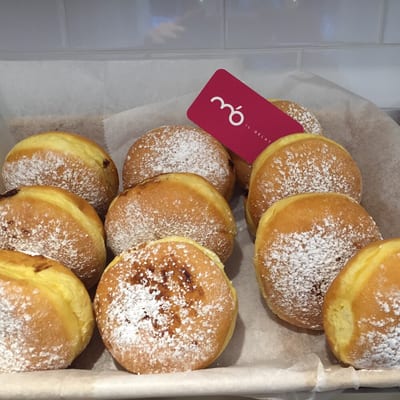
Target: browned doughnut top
x,y
362,308
65,160
166,306
50,221
177,148
45,312
181,204
302,242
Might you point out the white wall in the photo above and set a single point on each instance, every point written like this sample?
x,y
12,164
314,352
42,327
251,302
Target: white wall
x,y
355,43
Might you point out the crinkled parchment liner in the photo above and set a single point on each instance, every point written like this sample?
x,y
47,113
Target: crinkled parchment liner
x,y
265,356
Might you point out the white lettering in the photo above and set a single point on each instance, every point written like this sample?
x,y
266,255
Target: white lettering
x,y
236,118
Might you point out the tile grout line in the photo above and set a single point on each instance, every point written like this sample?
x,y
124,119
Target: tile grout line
x,y
63,24
299,59
382,21
224,24
132,53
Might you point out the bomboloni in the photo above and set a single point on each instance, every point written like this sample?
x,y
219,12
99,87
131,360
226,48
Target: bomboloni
x,y
306,118
65,160
179,148
165,306
46,314
361,310
300,163
175,204
55,223
302,243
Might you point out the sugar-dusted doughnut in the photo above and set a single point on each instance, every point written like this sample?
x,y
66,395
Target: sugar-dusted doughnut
x,y
179,148
65,160
303,115
300,163
302,242
182,204
45,312
361,310
52,222
306,118
165,306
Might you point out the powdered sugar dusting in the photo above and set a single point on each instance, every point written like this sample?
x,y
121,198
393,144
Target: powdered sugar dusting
x,y
139,219
304,171
381,337
55,169
164,315
21,345
301,265
304,117
308,166
182,149
50,233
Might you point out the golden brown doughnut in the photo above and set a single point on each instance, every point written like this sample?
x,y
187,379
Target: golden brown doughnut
x,y
179,148
302,242
50,221
299,113
362,308
165,306
182,204
300,163
65,160
45,312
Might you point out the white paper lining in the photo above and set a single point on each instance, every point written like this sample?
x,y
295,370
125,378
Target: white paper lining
x,y
265,356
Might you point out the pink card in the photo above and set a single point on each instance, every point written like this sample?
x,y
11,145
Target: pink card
x,y
241,119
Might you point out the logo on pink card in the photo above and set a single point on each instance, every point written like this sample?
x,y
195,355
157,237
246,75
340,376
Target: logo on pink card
x,y
237,116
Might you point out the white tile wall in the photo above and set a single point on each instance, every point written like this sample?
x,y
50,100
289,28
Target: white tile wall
x,y
391,30
355,43
259,24
30,25
150,25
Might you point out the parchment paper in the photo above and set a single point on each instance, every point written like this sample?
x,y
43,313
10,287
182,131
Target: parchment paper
x,y
265,356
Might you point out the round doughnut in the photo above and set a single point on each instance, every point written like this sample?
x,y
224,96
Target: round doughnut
x,y
65,160
179,148
300,163
302,242
361,308
45,312
181,204
304,116
299,113
165,306
50,221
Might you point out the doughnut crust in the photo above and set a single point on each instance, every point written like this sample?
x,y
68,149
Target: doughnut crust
x,y
181,204
361,308
300,163
65,160
301,244
299,113
165,306
242,170
179,148
50,221
45,311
